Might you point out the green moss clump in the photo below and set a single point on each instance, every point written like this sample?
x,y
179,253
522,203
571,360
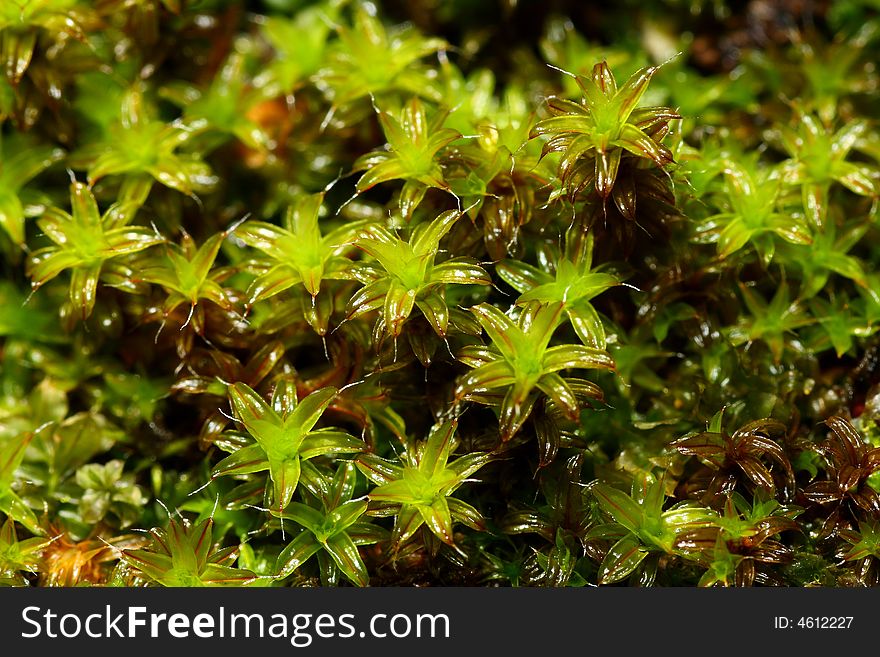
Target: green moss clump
x,y
483,294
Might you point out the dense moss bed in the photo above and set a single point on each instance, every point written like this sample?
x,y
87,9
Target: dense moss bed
x,y
439,293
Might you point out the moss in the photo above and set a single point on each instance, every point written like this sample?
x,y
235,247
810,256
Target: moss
x,y
481,294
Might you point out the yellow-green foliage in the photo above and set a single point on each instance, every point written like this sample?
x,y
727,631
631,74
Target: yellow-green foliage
x,y
356,293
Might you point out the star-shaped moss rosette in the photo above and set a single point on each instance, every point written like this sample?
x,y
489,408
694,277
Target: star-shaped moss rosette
x,y
413,155
369,61
751,213
573,283
298,253
641,528
750,451
187,274
142,149
595,134
521,364
819,157
333,527
405,275
284,437
84,242
184,554
419,492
